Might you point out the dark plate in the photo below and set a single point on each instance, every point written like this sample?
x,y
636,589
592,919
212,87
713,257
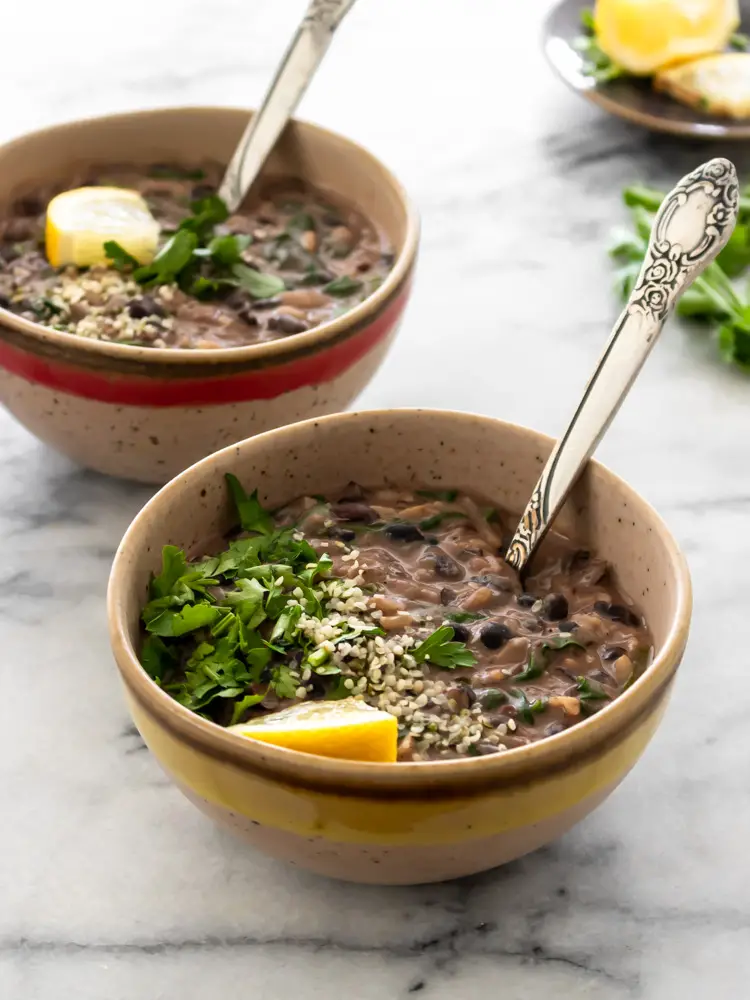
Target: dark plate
x,y
629,98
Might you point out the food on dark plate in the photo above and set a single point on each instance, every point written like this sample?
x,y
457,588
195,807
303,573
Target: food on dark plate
x,y
153,259
398,599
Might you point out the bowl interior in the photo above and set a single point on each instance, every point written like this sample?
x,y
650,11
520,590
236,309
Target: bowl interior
x,y
191,135
500,461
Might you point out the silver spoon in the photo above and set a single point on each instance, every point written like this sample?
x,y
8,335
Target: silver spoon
x,y
693,224
297,68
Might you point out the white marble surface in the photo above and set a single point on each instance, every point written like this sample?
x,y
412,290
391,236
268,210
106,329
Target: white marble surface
x,y
111,886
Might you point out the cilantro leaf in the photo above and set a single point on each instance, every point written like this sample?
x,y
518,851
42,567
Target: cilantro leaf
x,y
260,286
190,618
442,652
539,660
228,249
207,212
283,682
253,517
526,709
119,257
459,617
240,707
344,285
176,253
590,691
158,659
173,566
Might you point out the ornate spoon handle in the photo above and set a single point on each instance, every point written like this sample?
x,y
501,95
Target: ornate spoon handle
x,y
301,59
693,224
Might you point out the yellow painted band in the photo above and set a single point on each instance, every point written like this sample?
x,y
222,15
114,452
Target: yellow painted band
x,y
417,821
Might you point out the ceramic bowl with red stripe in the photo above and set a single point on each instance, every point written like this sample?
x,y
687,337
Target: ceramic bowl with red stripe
x,y
147,413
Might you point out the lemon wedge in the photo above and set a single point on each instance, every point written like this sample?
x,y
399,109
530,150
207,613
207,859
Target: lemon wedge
x,y
719,84
642,36
349,729
79,223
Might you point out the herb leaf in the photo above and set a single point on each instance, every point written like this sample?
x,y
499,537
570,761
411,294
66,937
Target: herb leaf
x,y
344,285
252,515
439,649
190,618
120,258
260,286
176,253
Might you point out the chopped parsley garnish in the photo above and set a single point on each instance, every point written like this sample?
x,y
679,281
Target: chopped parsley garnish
x,y
203,264
342,286
539,660
225,632
441,651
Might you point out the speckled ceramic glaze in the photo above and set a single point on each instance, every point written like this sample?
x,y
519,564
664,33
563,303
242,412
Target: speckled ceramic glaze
x,y
144,413
425,821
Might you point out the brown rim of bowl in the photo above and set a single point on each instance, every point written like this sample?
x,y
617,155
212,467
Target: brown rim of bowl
x,y
270,351
293,767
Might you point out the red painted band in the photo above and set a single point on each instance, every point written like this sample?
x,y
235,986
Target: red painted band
x,y
262,383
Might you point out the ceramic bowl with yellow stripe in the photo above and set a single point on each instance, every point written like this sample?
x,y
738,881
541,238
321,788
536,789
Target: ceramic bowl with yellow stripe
x,y
424,821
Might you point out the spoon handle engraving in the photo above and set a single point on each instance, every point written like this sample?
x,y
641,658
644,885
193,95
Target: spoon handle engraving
x,y
302,58
693,224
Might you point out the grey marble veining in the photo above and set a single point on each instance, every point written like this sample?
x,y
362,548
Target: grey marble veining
x,y
112,887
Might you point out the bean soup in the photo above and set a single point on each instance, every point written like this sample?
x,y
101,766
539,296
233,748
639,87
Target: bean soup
x,y
400,599
291,259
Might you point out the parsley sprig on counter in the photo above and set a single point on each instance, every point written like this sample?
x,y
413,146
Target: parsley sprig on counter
x,y
713,299
225,631
200,262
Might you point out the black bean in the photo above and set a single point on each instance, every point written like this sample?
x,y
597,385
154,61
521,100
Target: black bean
x,y
447,596
568,626
342,534
360,513
617,612
495,635
404,533
525,600
144,306
460,632
4,302
331,219
201,191
555,607
613,652
248,316
287,324
388,259
442,564
266,303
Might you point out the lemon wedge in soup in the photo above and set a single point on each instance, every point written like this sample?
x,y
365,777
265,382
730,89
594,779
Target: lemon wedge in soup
x,y
348,729
643,36
81,221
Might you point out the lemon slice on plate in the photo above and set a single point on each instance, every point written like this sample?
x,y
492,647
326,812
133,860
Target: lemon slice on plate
x,y
81,221
349,729
719,84
643,36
